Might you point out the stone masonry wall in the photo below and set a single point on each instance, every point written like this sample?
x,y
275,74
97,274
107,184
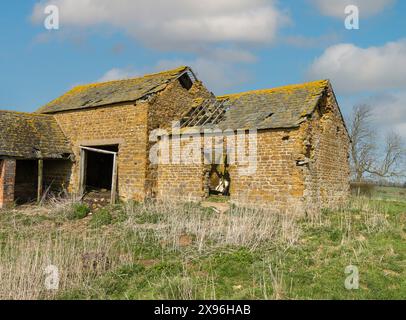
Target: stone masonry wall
x,y
122,124
7,181
297,170
170,105
129,126
277,182
179,181
328,171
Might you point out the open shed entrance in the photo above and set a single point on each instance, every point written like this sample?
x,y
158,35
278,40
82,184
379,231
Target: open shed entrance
x,y
37,179
26,181
98,169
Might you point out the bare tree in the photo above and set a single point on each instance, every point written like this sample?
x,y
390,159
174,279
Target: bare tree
x,y
363,141
390,164
366,157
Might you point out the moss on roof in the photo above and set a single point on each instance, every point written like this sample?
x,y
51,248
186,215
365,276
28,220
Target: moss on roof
x,y
282,107
105,93
30,136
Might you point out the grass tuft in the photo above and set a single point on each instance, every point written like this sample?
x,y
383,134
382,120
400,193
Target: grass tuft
x,y
101,217
78,211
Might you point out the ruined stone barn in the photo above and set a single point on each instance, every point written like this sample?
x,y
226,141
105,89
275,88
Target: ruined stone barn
x,y
301,143
101,137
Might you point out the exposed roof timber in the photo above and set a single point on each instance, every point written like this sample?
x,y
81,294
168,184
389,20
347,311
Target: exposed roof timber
x,y
289,106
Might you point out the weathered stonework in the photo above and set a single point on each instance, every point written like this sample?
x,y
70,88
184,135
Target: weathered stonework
x,y
171,105
301,144
181,180
125,125
298,170
326,143
277,182
129,126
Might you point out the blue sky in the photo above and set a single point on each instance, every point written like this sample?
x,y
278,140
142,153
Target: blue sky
x,y
232,45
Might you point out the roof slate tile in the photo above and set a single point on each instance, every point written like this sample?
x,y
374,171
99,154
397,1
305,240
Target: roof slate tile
x,y
31,136
105,93
283,107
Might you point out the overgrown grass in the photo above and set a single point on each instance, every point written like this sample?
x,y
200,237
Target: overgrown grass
x,y
102,217
78,211
185,251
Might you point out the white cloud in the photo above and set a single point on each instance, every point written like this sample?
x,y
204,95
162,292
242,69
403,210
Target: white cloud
x,y
118,74
390,111
169,24
335,8
355,69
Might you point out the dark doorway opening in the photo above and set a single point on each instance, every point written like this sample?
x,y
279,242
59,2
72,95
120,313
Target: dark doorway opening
x,y
26,181
99,168
219,180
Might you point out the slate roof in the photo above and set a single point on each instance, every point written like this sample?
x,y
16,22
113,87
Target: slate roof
x,y
105,93
283,107
31,136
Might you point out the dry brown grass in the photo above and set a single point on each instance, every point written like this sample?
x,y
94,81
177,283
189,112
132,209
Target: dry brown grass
x,y
23,263
237,227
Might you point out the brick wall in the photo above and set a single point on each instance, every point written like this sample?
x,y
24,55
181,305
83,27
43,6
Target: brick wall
x,y
7,181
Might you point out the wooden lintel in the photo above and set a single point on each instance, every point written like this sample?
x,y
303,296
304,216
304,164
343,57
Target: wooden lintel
x,y
114,181
40,179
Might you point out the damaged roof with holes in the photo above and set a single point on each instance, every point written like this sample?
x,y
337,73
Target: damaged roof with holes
x,y
105,93
283,107
31,136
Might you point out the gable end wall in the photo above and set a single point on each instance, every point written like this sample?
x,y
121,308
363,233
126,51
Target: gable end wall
x,y
327,145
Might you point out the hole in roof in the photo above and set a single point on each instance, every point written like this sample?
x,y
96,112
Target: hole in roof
x,y
185,81
269,115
